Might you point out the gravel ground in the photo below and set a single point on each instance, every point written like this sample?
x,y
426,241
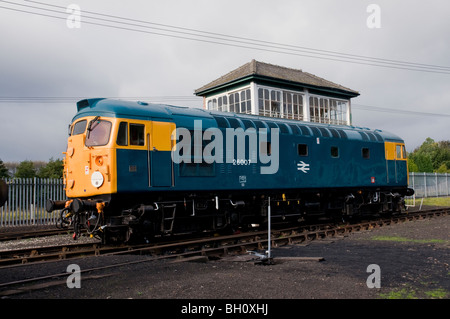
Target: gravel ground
x,y
413,258
45,241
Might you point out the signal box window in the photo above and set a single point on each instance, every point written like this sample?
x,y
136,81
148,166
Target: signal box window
x,y
137,134
302,149
122,135
334,152
366,153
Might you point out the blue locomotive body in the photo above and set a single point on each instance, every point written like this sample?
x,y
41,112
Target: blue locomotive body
x,y
158,168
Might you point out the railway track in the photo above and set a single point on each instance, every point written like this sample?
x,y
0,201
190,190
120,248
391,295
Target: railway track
x,y
210,247
206,246
13,235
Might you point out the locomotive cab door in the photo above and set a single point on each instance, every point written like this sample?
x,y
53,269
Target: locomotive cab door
x,y
396,163
401,164
161,172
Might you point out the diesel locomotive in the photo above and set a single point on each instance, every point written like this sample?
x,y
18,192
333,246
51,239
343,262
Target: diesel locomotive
x,y
134,170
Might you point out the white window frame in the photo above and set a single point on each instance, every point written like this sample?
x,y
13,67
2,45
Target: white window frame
x,y
300,105
324,109
329,110
212,102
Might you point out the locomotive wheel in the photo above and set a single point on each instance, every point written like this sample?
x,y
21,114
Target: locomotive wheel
x,y
116,234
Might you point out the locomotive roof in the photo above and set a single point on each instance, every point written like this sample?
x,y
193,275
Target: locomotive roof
x,y
140,110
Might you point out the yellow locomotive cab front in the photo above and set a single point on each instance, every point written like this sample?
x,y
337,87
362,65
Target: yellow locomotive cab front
x,y
89,163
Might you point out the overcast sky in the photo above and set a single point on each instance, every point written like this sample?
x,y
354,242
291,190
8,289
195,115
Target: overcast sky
x,y
41,57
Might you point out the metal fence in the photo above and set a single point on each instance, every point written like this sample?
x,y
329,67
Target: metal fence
x,y
26,201
430,184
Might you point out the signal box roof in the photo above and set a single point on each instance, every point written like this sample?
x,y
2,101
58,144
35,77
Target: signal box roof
x,y
256,70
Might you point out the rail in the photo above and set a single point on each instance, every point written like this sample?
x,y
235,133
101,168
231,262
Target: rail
x,y
210,247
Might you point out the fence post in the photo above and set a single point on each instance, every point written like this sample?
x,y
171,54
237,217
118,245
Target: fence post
x,y
446,183
33,209
425,184
437,185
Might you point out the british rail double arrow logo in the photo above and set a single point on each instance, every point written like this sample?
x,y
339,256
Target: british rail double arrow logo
x,y
302,166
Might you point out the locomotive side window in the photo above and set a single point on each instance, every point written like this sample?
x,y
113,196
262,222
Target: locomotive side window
x,y
365,152
122,135
98,132
400,152
302,149
334,151
79,127
137,134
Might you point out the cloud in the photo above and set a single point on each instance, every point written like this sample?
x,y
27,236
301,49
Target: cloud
x,y
45,58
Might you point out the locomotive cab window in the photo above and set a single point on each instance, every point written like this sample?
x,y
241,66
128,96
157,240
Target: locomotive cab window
x,y
98,132
137,134
302,149
79,127
122,134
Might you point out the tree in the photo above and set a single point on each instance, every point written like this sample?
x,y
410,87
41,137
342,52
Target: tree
x,y
4,172
423,162
430,157
25,170
53,169
443,169
441,155
412,166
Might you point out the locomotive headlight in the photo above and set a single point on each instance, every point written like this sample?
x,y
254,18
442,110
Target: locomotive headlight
x,y
99,160
97,179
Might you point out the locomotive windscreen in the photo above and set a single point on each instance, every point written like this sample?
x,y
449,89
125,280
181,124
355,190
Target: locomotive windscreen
x,y
98,133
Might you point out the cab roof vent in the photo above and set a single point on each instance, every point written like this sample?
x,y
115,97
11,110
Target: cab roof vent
x,y
87,103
